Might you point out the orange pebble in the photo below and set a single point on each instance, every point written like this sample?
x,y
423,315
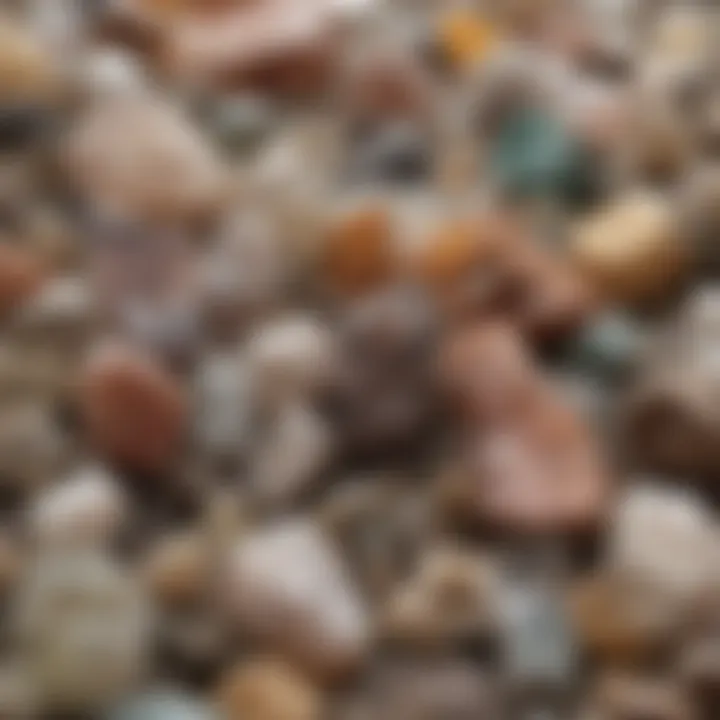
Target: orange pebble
x,y
358,252
466,38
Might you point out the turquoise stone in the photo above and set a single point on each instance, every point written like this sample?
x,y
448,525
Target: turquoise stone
x,y
534,155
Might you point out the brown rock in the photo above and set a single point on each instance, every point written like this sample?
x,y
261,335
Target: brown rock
x,y
274,46
624,697
133,410
21,275
268,690
631,250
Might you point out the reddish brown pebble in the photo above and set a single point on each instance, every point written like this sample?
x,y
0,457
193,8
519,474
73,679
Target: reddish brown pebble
x,y
134,411
20,276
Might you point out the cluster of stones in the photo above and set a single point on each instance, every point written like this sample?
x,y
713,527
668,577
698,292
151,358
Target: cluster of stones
x,y
357,359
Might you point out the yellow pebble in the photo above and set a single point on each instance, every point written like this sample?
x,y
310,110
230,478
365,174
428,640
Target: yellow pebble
x,y
466,38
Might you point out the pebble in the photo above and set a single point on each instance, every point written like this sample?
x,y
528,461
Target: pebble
x,y
86,508
290,358
158,168
287,586
670,420
452,599
268,690
83,626
134,411
21,276
297,448
176,569
631,249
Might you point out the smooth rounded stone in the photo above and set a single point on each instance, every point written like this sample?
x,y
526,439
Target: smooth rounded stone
x,y
157,167
296,448
134,411
86,508
82,625
32,445
177,567
223,397
273,47
383,395
290,358
619,696
466,38
357,252
287,587
452,599
162,704
671,423
443,688
631,249
268,690
610,347
533,155
668,539
21,277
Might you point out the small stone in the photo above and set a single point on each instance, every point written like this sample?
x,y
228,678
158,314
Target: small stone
x,y
134,410
610,346
452,599
176,569
631,249
21,276
158,166
12,562
667,539
288,588
223,396
88,507
534,156
271,47
624,697
162,704
268,690
357,254
288,461
83,626
241,123
670,418
383,396
466,38
290,359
